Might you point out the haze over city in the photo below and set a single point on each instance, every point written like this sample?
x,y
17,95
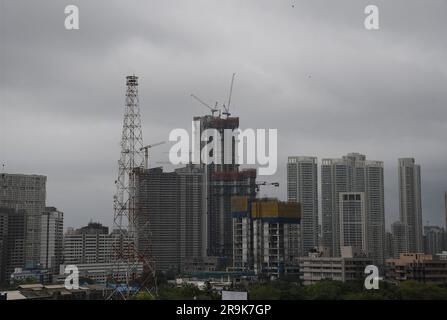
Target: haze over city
x,y
308,69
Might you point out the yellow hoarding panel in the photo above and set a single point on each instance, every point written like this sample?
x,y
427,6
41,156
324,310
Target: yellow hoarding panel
x,y
239,204
275,209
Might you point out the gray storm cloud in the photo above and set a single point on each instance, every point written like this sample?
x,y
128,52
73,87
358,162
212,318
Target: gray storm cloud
x,y
306,68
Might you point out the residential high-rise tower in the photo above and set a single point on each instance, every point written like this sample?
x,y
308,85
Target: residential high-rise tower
x,y
51,244
353,173
353,227
302,187
410,204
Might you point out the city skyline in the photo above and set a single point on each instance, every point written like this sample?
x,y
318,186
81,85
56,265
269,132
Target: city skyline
x,y
388,222
317,88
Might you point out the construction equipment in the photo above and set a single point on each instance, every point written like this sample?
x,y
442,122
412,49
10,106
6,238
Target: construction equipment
x,y
265,183
213,110
146,152
227,108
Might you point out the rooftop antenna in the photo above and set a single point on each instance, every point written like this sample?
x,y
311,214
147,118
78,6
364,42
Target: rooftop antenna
x,y
227,108
213,110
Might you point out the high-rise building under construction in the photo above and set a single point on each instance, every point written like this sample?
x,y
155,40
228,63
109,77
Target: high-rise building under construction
x,y
223,180
265,236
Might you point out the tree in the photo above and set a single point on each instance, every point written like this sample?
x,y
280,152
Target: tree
x,y
413,290
325,290
265,291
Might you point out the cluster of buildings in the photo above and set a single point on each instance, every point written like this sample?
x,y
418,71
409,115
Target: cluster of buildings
x,y
33,246
353,218
31,233
208,218
56,292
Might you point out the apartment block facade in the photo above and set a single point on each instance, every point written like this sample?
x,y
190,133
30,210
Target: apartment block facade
x,y
265,236
52,235
410,202
28,193
302,187
353,173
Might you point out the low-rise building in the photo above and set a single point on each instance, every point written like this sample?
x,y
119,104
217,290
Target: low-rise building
x,y
103,273
317,267
218,280
417,266
38,275
207,264
56,292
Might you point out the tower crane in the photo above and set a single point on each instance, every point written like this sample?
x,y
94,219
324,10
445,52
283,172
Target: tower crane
x,y
213,110
227,108
146,152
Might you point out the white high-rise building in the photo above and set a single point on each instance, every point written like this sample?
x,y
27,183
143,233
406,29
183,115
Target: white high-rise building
x,y
28,193
353,173
445,205
302,187
410,202
51,244
353,231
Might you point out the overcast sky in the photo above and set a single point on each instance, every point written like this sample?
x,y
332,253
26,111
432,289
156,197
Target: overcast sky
x,y
306,68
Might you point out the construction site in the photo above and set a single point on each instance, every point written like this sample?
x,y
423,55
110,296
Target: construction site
x,y
181,221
